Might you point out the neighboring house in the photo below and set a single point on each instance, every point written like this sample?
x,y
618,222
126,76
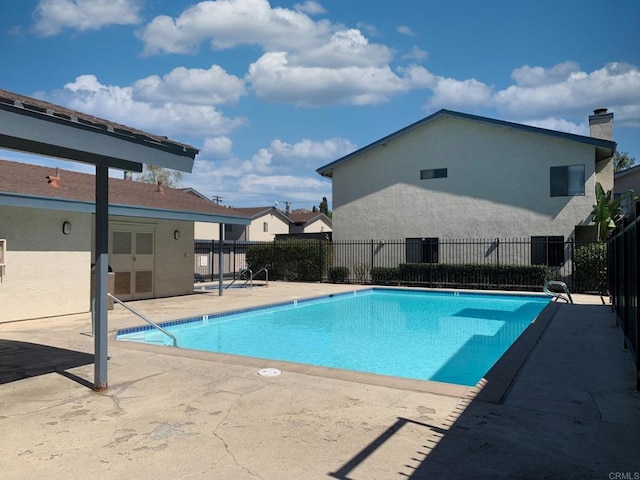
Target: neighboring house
x,y
625,180
453,175
266,223
47,217
309,222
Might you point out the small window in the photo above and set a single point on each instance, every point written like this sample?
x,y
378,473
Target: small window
x,y
547,251
422,250
567,181
433,173
265,226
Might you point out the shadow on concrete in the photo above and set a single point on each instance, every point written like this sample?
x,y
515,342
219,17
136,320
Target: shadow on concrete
x,y
20,360
570,413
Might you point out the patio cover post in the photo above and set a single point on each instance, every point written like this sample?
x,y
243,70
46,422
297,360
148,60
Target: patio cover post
x,y
102,277
221,260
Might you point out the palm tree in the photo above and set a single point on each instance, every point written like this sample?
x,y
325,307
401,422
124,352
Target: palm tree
x,y
606,212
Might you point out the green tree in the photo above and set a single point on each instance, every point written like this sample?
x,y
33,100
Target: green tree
x,y
155,174
606,212
622,161
324,207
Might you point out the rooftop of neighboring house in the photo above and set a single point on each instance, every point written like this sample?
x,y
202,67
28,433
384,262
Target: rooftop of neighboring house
x,y
308,217
27,180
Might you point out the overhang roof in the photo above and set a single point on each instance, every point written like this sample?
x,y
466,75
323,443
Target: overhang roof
x,y
604,148
31,125
28,185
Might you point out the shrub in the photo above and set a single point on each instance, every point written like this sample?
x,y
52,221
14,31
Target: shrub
x,y
475,275
299,260
338,274
590,262
361,271
385,275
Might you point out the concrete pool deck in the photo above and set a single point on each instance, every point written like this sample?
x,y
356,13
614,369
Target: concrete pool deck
x,y
571,411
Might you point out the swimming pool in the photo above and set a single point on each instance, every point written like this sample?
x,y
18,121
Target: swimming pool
x,y
450,337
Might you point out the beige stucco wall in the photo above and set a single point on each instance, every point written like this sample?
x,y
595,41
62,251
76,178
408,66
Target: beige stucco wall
x,y
47,272
628,180
256,233
318,226
497,185
206,231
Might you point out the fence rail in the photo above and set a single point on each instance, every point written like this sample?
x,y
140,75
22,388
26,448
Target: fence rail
x,y
471,263
623,259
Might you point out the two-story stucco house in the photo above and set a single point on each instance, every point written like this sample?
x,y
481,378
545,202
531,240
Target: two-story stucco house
x,y
454,175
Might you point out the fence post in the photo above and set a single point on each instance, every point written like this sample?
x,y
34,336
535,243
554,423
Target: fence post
x,y
321,264
372,256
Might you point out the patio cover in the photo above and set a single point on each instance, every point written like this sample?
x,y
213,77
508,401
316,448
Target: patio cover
x,y
37,127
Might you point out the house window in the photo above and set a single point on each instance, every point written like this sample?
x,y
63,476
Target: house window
x,y
422,250
433,173
547,251
567,181
265,226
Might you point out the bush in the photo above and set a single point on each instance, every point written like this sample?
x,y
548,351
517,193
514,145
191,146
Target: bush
x,y
292,259
385,275
475,275
338,274
590,262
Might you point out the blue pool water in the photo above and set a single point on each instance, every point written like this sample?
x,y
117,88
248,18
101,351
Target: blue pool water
x,y
443,336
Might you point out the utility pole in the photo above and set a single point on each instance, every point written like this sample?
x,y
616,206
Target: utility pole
x,y
217,199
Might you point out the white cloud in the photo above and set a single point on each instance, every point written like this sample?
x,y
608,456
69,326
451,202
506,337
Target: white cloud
x,y
310,7
273,78
452,93
560,124
536,76
227,23
116,103
546,93
559,97
217,147
52,16
345,48
276,170
306,149
416,53
194,86
404,30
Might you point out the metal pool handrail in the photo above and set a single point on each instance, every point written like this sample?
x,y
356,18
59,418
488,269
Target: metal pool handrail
x,y
557,295
174,340
251,275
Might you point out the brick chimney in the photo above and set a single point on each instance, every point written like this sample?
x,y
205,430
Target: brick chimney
x,y
601,124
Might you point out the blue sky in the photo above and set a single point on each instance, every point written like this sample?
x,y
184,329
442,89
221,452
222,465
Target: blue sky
x,y
270,91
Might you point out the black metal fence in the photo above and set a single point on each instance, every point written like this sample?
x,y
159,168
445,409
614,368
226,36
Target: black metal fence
x,y
471,263
622,277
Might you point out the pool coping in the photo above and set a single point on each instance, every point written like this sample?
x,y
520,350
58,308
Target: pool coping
x,y
492,388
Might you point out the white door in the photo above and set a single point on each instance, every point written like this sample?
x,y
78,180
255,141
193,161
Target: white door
x,y
131,257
